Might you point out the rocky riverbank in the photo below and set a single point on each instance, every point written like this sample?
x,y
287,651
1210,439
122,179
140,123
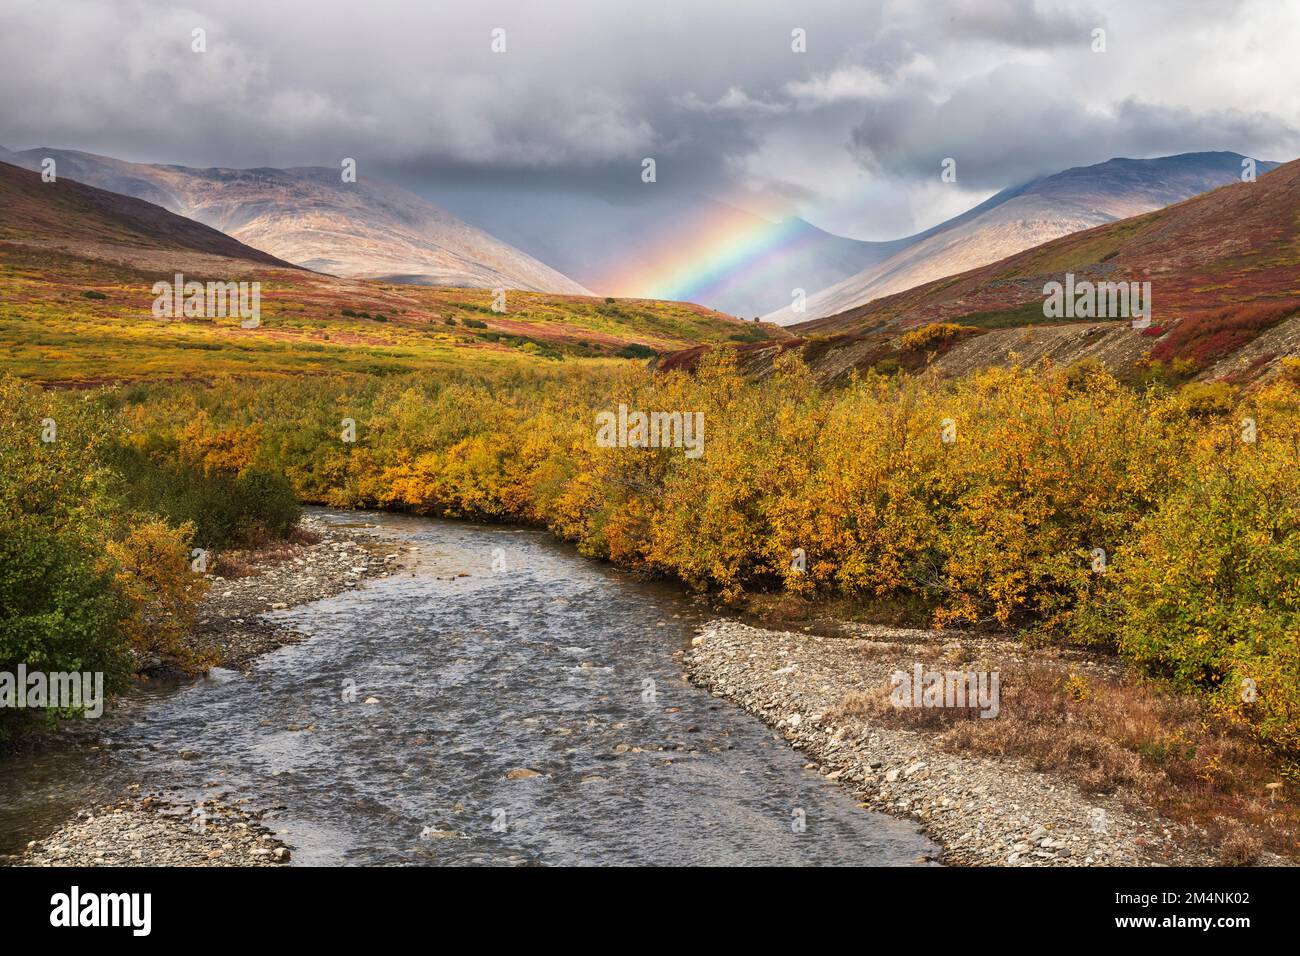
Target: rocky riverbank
x,y
232,626
984,811
153,832
236,623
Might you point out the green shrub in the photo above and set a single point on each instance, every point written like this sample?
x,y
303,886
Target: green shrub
x,y
225,510
635,350
59,610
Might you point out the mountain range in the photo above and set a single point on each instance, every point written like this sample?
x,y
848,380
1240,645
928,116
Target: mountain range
x,y
95,224
310,217
79,268
1222,263
1026,216
668,245
1225,299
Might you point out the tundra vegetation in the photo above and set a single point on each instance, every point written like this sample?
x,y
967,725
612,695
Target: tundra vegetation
x,y
98,530
1161,524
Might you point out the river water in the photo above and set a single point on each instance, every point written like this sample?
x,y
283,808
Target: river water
x,y
503,651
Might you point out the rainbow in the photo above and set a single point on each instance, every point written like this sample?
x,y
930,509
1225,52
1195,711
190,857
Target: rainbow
x,y
725,252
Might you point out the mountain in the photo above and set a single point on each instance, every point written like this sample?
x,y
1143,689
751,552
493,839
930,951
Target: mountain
x,y
1026,216
668,245
310,217
1224,274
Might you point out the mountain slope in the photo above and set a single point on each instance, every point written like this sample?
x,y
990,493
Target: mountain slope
x,y
1027,216
1224,269
76,217
78,267
308,216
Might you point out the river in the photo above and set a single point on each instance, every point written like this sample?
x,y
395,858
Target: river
x,y
502,651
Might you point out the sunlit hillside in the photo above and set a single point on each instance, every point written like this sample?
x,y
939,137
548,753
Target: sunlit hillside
x,y
78,266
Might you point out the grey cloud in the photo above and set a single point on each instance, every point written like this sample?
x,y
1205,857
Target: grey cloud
x,y
1028,24
1010,127
587,88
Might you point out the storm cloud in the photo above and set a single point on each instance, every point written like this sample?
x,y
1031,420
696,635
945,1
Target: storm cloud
x,y
849,134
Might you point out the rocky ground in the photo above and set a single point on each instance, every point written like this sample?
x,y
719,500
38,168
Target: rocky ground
x,y
230,631
152,832
230,627
986,812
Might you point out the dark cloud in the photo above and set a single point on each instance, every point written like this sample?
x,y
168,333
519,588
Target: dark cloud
x,y
713,91
1007,127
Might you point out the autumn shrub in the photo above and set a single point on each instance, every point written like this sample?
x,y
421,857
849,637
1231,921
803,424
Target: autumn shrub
x,y
1207,592
1203,400
1039,479
86,581
1058,501
223,510
213,479
59,610
152,572
930,336
1202,336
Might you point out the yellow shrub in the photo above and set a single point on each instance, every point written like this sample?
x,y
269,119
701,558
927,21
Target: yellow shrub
x,y
928,336
152,572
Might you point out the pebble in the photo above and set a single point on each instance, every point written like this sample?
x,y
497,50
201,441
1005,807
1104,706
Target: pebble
x,y
154,832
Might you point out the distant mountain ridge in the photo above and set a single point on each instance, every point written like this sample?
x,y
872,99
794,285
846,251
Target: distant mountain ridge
x,y
79,274
1026,216
1223,267
308,216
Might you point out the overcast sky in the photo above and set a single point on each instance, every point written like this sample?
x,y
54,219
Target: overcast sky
x,y
849,134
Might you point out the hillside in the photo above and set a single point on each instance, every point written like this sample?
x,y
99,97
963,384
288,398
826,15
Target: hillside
x,y
78,265
1224,269
73,216
309,217
1027,216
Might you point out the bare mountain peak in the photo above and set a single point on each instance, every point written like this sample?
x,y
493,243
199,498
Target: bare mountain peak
x,y
307,215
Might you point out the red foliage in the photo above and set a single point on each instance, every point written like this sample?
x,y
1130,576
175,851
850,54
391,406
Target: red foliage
x,y
1209,336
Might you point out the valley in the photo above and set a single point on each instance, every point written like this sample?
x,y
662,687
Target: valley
x,y
928,476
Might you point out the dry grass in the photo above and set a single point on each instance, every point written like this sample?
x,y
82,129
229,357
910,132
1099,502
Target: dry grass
x,y
780,610
304,536
247,562
1160,749
234,564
